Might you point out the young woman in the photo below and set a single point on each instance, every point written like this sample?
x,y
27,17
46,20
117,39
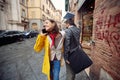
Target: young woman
x,y
51,39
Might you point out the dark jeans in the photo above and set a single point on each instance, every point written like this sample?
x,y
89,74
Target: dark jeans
x,y
54,69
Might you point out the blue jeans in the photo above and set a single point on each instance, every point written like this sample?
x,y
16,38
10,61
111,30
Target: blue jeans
x,y
54,69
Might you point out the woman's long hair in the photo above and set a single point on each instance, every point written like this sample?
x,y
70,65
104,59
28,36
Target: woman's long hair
x,y
55,29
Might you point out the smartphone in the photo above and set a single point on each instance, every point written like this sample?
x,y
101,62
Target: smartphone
x,y
44,31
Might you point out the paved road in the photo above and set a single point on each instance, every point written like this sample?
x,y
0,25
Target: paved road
x,y
18,61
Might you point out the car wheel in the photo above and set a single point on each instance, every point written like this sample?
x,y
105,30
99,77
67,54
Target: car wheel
x,y
29,36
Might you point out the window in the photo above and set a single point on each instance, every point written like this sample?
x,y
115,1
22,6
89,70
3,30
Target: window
x,y
23,13
23,1
49,6
43,8
47,1
48,11
43,17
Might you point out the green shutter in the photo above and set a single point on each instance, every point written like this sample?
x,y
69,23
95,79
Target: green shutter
x,y
66,5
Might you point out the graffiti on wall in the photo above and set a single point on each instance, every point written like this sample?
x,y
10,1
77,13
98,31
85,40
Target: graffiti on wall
x,y
107,27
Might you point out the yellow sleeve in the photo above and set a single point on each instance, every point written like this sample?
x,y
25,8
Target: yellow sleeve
x,y
40,42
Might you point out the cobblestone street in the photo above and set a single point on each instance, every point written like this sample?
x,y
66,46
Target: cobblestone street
x,y
18,61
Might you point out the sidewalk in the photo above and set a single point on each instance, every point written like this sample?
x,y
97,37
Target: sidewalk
x,y
19,62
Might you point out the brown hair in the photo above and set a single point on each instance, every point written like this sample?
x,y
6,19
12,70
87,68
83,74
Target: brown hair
x,y
70,21
55,29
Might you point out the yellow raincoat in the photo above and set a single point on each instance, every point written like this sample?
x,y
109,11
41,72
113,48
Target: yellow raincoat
x,y
43,42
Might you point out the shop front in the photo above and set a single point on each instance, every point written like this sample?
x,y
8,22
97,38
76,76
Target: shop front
x,y
85,13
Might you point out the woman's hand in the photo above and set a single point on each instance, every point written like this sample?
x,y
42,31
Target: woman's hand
x,y
44,34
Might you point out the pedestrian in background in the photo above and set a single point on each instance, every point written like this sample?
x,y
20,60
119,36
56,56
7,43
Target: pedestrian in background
x,y
69,43
76,59
51,39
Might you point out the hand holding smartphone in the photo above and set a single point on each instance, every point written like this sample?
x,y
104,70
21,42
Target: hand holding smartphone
x,y
44,31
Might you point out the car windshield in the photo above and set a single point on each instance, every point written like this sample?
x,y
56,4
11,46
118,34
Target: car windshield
x,y
2,31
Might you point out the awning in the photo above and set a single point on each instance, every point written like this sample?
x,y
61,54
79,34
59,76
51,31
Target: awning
x,y
80,3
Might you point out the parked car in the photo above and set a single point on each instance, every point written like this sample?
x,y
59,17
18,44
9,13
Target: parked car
x,y
10,37
1,31
30,34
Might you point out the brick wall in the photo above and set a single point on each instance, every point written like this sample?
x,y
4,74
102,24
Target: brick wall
x,y
106,33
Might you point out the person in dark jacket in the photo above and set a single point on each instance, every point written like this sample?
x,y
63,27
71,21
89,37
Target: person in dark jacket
x,y
69,42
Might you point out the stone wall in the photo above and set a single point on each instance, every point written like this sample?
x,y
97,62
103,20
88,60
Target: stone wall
x,y
106,33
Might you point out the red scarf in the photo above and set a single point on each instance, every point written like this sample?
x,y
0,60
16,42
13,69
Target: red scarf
x,y
52,36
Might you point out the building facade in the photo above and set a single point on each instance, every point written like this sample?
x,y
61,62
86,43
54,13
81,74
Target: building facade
x,y
24,14
34,14
12,16
3,15
39,10
48,9
83,11
57,17
106,33
99,22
